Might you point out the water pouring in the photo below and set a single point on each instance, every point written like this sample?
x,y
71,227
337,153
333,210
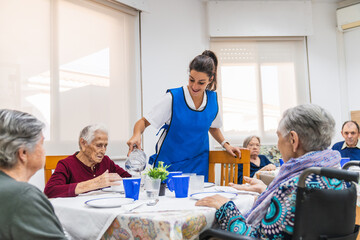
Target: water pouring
x,y
136,162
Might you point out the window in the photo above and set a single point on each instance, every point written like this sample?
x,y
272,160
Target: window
x,y
71,63
258,80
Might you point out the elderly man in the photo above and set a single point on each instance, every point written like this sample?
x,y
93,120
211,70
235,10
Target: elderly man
x,y
26,213
350,147
86,170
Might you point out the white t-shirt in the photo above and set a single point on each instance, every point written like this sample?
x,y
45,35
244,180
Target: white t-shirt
x,y
161,112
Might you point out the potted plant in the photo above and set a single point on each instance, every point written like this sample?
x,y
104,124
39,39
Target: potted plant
x,y
159,172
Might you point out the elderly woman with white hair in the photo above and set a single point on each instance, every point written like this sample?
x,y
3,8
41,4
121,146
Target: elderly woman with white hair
x,y
86,170
26,213
304,134
257,162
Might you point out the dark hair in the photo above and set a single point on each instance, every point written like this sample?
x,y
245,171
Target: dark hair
x,y
207,63
357,125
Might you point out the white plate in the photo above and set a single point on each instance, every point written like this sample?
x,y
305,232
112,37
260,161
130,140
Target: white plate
x,y
109,202
208,184
108,189
201,195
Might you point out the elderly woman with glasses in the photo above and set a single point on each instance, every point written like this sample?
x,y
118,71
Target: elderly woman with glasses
x,y
304,134
257,162
26,213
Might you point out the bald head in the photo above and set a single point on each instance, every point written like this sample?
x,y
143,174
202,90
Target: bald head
x,y
350,132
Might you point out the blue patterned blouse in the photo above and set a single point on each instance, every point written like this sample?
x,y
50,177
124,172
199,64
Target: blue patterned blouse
x,y
279,220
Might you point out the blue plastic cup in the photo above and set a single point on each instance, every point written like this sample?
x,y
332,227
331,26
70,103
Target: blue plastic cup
x,y
344,160
170,182
181,184
281,161
132,187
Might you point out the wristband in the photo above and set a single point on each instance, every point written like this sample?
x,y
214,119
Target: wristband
x,y
223,143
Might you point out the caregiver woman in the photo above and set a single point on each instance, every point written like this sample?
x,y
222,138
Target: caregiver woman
x,y
187,114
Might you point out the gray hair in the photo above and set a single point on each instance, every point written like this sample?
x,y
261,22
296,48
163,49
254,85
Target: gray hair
x,y
248,139
17,129
313,124
88,132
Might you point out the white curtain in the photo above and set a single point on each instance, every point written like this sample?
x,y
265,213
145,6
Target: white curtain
x,y
71,63
258,80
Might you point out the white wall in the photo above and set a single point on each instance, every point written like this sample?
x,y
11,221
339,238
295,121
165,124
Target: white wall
x,y
259,18
352,55
173,33
324,62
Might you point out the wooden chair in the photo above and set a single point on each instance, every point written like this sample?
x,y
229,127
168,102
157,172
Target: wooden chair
x,y
228,163
50,165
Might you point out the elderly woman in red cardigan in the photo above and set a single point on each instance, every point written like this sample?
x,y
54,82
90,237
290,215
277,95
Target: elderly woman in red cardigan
x,y
86,170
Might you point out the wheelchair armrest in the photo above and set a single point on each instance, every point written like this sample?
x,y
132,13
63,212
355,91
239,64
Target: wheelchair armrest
x,y
351,163
222,234
328,172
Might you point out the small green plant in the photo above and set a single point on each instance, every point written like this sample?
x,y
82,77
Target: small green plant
x,y
159,172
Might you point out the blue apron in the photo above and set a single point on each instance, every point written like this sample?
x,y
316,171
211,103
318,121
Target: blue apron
x,y
186,143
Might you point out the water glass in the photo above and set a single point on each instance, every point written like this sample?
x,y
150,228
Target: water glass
x,y
181,186
132,187
196,183
152,187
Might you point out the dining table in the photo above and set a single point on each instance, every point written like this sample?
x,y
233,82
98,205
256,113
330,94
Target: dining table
x,y
170,218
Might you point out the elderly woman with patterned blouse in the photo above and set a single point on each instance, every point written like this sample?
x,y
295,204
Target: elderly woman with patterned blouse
x,y
304,134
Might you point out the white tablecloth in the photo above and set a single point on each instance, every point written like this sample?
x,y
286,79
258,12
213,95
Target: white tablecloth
x,y
83,222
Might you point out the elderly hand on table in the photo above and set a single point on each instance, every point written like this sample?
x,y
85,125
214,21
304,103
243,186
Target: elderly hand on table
x,y
104,180
215,201
252,185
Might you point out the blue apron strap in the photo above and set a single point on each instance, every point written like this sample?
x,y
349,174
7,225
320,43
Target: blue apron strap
x,y
153,157
165,126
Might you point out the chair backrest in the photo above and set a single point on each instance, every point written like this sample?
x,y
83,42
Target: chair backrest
x,y
229,166
50,165
325,212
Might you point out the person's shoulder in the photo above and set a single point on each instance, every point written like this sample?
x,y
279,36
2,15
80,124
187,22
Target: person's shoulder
x,y
14,187
69,159
264,158
178,89
26,191
107,160
338,145
211,92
